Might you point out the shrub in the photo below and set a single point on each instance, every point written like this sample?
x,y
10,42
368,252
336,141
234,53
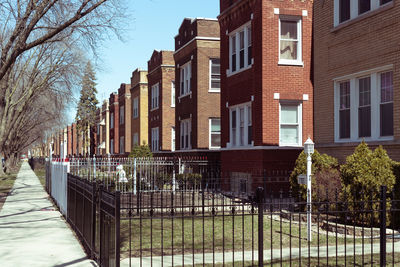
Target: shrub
x,y
142,151
362,177
325,176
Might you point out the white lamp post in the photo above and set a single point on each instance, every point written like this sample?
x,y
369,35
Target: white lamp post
x,y
309,150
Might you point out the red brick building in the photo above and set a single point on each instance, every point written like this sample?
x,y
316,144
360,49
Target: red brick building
x,y
161,84
266,89
69,138
356,75
197,93
114,124
125,118
103,129
74,140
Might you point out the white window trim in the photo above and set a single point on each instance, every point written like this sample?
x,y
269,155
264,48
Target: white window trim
x,y
354,103
209,134
237,137
300,122
155,138
375,4
173,138
299,60
186,91
153,89
181,133
173,93
213,90
236,32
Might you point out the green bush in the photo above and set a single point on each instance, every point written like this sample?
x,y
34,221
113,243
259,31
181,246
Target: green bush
x,y
142,151
325,176
363,175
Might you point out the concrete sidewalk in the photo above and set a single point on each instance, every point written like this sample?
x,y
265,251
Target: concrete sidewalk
x,y
32,233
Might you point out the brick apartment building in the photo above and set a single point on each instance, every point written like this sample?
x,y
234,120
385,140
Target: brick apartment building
x,y
114,123
161,84
266,89
103,130
74,139
125,118
197,93
139,105
69,140
356,72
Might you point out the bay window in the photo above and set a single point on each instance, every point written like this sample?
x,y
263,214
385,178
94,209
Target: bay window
x,y
185,79
290,40
290,124
185,134
240,125
155,96
240,48
215,132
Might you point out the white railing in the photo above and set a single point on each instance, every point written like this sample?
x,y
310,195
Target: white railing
x,y
59,172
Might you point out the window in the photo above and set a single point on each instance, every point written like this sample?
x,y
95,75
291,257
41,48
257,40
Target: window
x,y
154,139
112,120
135,139
290,41
240,48
364,106
122,144
173,94
241,125
173,139
345,10
185,134
154,96
290,125
215,133
344,110
112,146
136,107
185,79
121,115
215,75
386,105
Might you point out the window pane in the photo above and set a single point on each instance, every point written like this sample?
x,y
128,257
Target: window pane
x,y
344,10
288,50
364,6
364,121
345,95
249,52
215,140
289,114
344,123
215,125
385,1
234,119
387,87
289,134
364,91
288,30
387,119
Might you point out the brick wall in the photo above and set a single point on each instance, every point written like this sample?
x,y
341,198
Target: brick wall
x,y
114,132
366,42
124,98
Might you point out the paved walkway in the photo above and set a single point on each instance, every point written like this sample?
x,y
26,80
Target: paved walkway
x,y
32,233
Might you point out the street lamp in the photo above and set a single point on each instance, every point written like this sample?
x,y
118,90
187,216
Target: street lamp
x,y
309,150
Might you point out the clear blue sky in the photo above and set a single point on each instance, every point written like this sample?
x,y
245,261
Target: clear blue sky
x,y
154,25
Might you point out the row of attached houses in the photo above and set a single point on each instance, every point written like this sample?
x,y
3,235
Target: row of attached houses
x,y
249,87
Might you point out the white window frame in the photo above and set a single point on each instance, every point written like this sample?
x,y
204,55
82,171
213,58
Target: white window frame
x,y
155,93
210,132
216,90
173,140
112,120
354,104
121,115
299,123
299,60
245,27
172,94
234,141
185,129
185,78
155,139
354,10
136,107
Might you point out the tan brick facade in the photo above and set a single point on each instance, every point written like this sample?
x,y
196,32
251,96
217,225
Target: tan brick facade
x,y
124,100
139,90
162,72
359,47
197,43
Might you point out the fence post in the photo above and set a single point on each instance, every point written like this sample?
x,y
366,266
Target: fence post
x,y
117,227
260,203
94,167
93,243
101,232
383,227
134,176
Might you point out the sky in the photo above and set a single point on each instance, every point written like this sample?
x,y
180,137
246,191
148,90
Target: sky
x,y
154,25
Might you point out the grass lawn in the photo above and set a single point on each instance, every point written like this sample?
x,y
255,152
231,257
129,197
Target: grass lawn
x,y
332,261
40,171
217,234
6,183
